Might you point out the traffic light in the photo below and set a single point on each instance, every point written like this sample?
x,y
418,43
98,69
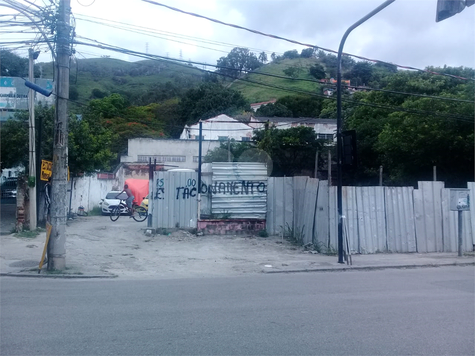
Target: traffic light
x,y
448,8
349,157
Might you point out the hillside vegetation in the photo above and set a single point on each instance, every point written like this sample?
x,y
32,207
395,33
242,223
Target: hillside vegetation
x,y
141,82
249,87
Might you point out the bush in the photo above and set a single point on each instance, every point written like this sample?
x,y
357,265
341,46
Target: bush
x,y
263,233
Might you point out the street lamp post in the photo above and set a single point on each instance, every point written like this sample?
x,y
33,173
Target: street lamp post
x,y
339,126
32,183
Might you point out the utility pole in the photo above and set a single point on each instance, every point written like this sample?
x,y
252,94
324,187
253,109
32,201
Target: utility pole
x,y
59,213
200,153
32,154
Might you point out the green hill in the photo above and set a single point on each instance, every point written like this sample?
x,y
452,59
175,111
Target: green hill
x,y
141,82
269,90
149,81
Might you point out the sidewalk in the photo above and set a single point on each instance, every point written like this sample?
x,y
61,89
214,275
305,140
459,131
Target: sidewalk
x,y
99,248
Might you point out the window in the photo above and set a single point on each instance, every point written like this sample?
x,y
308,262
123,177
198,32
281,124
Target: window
x,y
327,137
162,158
222,138
245,138
195,158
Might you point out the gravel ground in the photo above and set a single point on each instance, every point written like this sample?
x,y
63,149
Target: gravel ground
x,y
96,245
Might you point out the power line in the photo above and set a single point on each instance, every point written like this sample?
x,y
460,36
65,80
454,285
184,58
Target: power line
x,y
176,62
141,29
298,79
297,42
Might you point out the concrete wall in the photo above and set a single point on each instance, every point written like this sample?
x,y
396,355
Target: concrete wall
x,y
171,153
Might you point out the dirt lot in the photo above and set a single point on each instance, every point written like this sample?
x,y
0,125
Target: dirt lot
x,y
96,245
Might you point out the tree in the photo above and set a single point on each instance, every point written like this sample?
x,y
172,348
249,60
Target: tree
x,y
302,106
292,106
273,56
15,136
307,53
263,57
293,71
293,54
90,147
317,71
168,113
361,73
330,62
408,144
209,100
292,150
113,121
237,61
273,110
13,65
88,150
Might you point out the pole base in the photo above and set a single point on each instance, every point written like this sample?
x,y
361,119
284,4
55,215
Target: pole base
x,y
57,263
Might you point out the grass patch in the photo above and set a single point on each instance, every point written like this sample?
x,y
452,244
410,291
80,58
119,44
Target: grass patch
x,y
30,234
256,93
95,211
63,271
263,233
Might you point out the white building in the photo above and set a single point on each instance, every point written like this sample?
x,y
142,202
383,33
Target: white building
x,y
221,128
170,153
324,128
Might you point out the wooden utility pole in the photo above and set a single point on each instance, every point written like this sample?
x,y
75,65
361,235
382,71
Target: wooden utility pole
x,y
59,213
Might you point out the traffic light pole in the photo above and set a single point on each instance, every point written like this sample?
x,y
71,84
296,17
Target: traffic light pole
x,y
339,141
59,206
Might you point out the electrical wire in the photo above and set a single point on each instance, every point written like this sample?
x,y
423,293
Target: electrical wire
x,y
138,29
310,80
300,43
177,62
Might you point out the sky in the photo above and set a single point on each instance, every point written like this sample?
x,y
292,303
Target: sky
x,y
404,33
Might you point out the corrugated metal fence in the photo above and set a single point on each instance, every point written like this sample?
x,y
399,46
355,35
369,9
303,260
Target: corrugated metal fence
x,y
228,190
173,202
376,219
238,190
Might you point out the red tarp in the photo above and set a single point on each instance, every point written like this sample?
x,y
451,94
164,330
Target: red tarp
x,y
139,188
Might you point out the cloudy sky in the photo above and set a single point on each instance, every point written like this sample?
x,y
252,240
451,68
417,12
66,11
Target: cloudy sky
x,y
404,33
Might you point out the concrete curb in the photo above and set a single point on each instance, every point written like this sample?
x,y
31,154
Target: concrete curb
x,y
64,276
369,268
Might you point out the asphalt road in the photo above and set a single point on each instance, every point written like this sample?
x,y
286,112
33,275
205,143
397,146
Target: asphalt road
x,y
391,312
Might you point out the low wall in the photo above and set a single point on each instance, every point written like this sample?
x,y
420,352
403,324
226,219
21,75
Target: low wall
x,y
231,226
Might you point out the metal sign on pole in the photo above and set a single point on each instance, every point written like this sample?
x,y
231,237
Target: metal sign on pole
x,y
460,201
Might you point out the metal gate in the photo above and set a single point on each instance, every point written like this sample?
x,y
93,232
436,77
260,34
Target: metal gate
x,y
174,200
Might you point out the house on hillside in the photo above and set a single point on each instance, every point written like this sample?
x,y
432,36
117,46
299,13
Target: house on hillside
x,y
325,128
221,128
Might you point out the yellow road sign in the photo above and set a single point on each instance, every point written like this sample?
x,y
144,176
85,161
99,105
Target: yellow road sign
x,y
46,170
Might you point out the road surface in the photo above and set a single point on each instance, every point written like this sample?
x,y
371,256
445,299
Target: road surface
x,y
390,312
